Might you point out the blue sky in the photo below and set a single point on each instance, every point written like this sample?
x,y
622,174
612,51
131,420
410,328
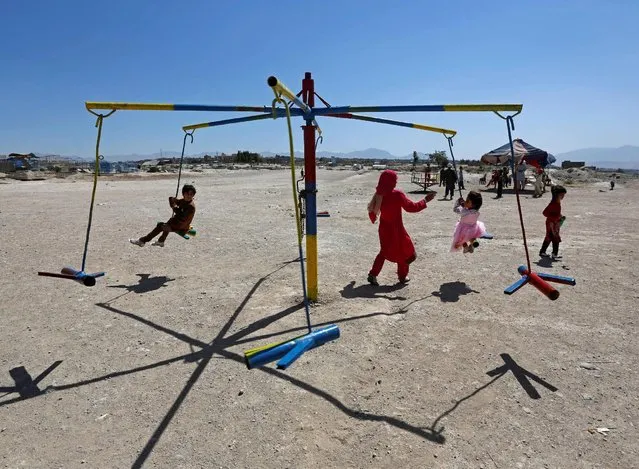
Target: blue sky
x,y
574,64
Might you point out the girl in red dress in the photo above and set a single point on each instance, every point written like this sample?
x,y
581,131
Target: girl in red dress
x,y
395,243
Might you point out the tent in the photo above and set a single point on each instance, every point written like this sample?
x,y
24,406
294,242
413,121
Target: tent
x,y
523,151
22,160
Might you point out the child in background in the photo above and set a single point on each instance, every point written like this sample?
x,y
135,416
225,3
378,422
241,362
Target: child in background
x,y
468,228
554,221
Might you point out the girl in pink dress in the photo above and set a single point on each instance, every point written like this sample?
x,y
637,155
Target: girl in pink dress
x,y
468,228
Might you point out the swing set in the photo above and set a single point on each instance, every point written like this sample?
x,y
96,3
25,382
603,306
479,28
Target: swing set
x,y
302,105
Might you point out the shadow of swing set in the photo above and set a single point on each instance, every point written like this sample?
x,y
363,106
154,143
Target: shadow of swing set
x,y
27,387
285,353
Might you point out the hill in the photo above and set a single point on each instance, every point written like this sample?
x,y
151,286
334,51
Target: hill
x,y
626,157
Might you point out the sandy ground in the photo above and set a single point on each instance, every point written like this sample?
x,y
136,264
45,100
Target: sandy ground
x,y
146,368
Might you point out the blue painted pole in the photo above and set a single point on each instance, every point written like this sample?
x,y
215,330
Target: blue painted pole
x,y
411,125
420,108
110,106
279,113
556,278
300,347
305,342
517,285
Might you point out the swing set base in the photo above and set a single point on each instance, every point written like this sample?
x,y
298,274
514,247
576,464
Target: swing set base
x,y
88,280
540,282
289,351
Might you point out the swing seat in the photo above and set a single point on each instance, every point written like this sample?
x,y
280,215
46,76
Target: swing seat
x,y
88,280
191,232
187,234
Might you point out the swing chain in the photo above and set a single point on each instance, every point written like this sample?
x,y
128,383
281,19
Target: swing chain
x,y
278,99
452,155
186,134
510,125
96,173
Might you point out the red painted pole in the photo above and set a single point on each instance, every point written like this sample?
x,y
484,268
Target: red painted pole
x,y
541,285
310,187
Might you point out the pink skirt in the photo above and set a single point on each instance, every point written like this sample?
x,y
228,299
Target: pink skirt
x,y
465,232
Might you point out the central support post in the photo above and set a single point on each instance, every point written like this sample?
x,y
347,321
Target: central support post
x,y
310,186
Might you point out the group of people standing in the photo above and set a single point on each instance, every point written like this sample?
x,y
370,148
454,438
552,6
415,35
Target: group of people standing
x,y
500,178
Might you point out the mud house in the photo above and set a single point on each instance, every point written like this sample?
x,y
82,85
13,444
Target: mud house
x,y
572,164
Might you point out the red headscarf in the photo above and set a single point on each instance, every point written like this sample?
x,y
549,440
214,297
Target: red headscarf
x,y
385,185
387,182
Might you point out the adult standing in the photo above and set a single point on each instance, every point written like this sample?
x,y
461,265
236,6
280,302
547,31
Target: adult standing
x,y
460,182
502,175
539,183
450,178
520,178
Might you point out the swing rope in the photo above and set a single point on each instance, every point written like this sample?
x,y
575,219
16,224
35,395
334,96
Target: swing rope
x,y
510,125
278,99
452,155
186,134
96,173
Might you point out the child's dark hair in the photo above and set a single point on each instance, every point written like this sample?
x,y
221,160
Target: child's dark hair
x,y
188,188
475,199
557,190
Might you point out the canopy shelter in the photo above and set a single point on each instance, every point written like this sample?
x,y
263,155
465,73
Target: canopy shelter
x,y
22,160
523,151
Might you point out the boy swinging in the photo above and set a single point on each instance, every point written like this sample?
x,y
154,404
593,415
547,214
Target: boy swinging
x,y
183,213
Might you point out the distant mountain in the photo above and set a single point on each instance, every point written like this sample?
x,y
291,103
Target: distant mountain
x,y
625,157
61,157
372,153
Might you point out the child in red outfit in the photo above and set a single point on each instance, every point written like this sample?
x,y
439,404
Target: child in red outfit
x,y
554,220
395,243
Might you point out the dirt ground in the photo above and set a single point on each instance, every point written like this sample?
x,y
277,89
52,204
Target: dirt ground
x,y
146,368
